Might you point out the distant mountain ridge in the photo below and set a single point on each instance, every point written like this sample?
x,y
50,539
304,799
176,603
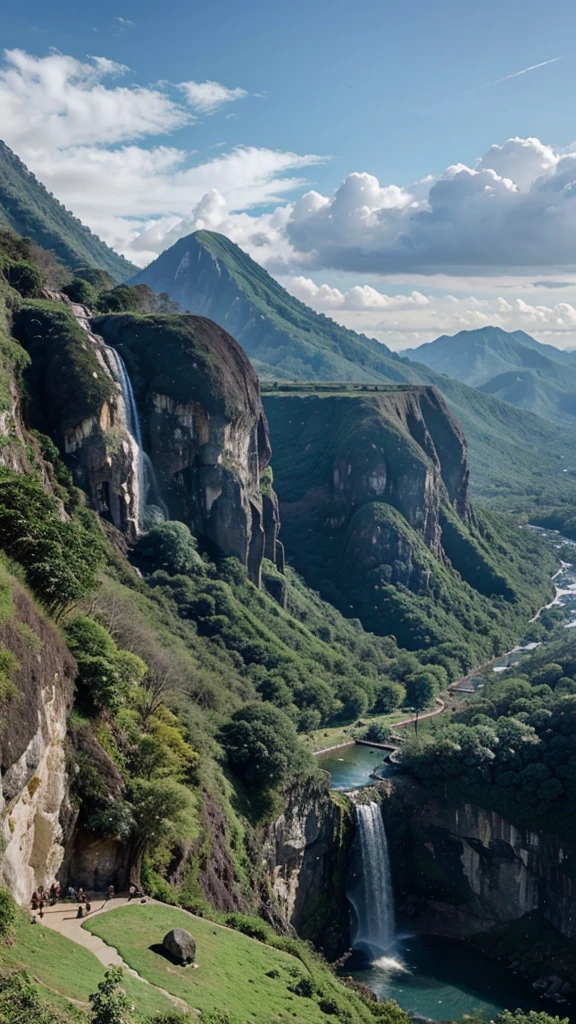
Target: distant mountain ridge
x,y
512,366
27,208
286,340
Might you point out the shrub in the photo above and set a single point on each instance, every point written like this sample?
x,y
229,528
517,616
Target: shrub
x,y
110,1004
80,291
169,546
7,912
389,696
262,745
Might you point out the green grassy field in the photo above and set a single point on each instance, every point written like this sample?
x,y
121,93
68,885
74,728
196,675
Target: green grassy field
x,y
233,972
67,969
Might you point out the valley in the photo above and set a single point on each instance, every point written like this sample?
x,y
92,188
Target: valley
x,y
228,536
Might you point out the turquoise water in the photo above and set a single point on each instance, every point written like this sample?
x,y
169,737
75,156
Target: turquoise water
x,y
441,979
351,767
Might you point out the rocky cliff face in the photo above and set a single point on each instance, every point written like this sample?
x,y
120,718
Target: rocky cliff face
x,y
460,870
34,785
305,854
363,479
203,427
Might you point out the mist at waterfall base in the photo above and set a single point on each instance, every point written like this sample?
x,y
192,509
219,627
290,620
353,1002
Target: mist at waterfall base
x,y
432,977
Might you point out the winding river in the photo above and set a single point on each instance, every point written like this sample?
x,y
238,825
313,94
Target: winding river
x,y
428,976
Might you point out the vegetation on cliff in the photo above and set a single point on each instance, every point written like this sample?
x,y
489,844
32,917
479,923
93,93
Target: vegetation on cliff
x,y
28,209
512,748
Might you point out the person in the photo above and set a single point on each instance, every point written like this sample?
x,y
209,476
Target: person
x,y
72,893
111,893
131,893
52,894
35,900
81,895
80,911
57,892
41,915
88,906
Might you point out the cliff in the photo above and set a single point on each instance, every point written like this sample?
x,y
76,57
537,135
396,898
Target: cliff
x,y
198,411
460,870
203,428
305,855
36,814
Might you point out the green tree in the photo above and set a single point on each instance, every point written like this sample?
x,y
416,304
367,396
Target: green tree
x,y
262,745
110,1004
420,689
157,807
169,546
80,291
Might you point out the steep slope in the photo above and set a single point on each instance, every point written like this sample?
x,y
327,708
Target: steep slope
x,y
27,208
511,452
373,491
511,366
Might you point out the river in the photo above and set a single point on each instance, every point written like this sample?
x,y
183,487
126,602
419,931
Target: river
x,y
430,976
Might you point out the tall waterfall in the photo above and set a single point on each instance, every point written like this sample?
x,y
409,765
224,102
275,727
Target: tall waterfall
x,y
147,480
370,885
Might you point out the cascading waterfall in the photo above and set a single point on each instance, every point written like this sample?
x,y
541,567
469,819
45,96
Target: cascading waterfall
x,y
147,480
370,885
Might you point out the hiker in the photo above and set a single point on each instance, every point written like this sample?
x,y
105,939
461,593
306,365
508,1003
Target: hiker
x,y
80,911
52,894
81,895
111,893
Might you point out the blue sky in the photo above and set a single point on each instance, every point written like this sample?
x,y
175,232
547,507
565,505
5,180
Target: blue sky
x,y
397,92
387,87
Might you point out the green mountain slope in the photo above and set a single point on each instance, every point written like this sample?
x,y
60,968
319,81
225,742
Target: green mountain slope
x,y
512,453
510,366
27,208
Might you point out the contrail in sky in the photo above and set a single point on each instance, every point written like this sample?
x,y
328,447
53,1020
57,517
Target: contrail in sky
x,y
516,74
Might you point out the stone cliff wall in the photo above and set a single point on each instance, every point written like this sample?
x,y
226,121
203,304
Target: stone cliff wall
x,y
305,854
34,785
203,427
460,870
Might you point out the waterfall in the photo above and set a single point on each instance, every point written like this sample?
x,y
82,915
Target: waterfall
x,y
147,479
370,885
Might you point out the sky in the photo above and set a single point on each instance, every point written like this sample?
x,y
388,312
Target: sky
x,y
409,170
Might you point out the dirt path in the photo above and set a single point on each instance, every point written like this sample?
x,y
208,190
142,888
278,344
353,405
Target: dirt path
x,y
62,919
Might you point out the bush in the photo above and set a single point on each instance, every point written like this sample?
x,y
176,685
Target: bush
x,y
7,912
105,674
24,277
169,546
262,745
389,696
80,291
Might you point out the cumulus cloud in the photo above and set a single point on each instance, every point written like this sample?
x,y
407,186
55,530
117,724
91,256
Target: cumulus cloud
x,y
207,97
360,297
77,127
516,210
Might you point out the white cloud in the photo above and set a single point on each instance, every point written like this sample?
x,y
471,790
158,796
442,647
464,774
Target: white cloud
x,y
359,297
50,103
207,97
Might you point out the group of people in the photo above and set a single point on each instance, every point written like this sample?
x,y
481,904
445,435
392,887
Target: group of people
x,y
40,897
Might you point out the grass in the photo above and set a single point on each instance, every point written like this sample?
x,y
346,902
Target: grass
x,y
233,975
331,736
69,970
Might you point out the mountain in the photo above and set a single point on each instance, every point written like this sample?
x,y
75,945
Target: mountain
x,y
509,365
512,453
27,208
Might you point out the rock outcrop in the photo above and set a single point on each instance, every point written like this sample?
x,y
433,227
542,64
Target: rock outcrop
x,y
34,783
460,870
305,854
203,427
365,480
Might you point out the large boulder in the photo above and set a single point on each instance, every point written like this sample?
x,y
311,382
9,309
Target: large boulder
x,y
180,945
